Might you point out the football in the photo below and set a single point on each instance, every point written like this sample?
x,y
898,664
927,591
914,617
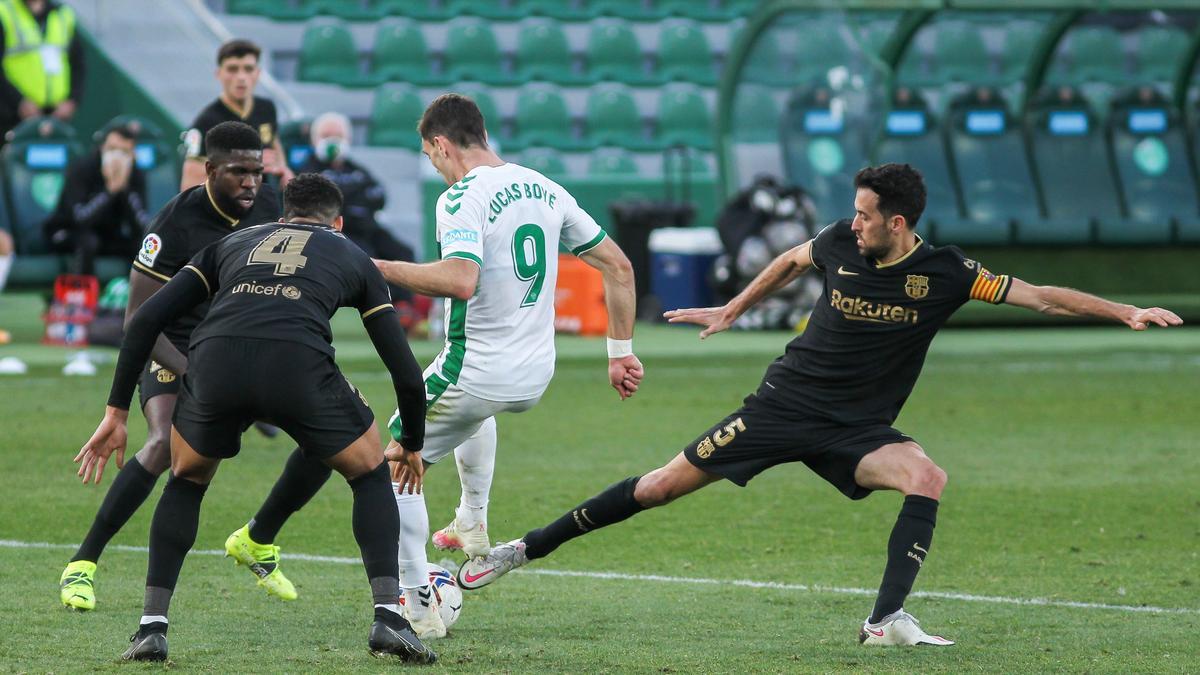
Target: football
x,y
449,595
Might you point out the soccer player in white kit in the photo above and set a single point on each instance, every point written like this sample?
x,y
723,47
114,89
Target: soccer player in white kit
x,y
499,226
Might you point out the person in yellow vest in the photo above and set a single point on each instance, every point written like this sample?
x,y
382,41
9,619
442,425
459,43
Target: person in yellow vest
x,y
42,61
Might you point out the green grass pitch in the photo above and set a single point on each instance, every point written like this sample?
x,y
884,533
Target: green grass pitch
x,y
1073,471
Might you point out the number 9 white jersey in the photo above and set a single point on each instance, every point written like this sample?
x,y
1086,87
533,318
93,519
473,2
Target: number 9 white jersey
x,y
509,220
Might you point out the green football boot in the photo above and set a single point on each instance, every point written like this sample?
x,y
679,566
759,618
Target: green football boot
x,y
263,561
77,586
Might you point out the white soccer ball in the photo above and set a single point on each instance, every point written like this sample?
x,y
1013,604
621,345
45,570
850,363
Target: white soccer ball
x,y
449,595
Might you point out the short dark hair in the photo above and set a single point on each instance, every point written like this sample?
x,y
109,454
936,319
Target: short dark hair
x,y
457,118
123,130
236,49
311,195
900,187
231,136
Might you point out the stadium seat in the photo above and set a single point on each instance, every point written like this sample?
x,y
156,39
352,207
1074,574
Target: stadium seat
x,y
912,135
543,53
563,10
504,10
683,118
1151,157
546,161
1088,54
739,9
395,112
755,115
612,162
542,119
992,168
280,10
1160,53
959,53
675,164
328,54
699,10
766,63
350,10
487,105
1071,163
613,53
424,10
400,54
297,142
1020,39
613,118
472,53
683,53
634,10
35,163
822,150
822,49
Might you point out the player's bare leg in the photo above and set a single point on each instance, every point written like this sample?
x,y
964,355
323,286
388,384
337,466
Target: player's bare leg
x,y
377,531
125,496
906,468
618,502
172,535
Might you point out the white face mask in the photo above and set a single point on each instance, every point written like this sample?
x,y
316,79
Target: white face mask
x,y
110,157
329,149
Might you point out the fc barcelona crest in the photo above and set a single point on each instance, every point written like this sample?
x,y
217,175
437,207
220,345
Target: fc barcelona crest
x,y
917,286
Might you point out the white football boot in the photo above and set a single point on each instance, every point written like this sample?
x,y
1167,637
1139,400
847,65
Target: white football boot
x,y
898,629
473,542
479,572
430,626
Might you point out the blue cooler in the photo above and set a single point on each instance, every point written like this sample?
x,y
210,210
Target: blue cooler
x,y
680,258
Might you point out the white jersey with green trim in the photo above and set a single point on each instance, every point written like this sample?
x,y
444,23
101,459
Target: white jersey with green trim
x,y
509,220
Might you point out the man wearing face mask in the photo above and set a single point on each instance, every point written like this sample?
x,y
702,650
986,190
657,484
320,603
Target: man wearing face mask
x,y
102,209
364,196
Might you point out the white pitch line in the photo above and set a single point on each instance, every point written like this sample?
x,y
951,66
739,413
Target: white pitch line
x,y
699,581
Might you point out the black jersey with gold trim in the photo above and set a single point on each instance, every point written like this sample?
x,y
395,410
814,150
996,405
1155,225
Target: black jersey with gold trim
x,y
861,353
283,281
260,114
188,223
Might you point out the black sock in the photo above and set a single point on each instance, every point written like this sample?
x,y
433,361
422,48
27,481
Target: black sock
x,y
172,533
301,479
614,504
129,489
377,531
907,548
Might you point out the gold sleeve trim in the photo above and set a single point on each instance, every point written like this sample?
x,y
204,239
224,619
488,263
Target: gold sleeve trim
x,y
149,272
375,310
201,275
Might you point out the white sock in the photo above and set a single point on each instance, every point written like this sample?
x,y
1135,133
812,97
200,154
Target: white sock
x,y
153,619
476,461
414,563
393,608
418,600
5,265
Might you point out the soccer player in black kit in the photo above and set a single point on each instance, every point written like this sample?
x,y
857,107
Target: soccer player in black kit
x,y
232,194
264,351
831,399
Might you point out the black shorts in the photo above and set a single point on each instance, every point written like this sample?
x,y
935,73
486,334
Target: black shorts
x,y
763,433
156,381
233,381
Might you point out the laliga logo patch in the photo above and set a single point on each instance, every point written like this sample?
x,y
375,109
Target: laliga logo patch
x,y
151,247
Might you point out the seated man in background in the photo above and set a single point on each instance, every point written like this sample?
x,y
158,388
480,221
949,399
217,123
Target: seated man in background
x,y
102,209
330,134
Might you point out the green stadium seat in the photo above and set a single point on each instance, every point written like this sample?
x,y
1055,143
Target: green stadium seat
x,y
613,118
755,115
1020,39
822,151
1160,53
613,53
675,164
395,112
987,150
766,63
487,105
543,53
634,10
546,161
297,142
612,162
914,69
912,135
401,55
503,10
959,53
699,10
280,10
563,10
542,119
1069,152
472,53
350,10
684,54
425,10
35,164
683,118
739,9
1088,54
328,54
1150,152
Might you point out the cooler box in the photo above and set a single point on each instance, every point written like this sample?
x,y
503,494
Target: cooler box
x,y
680,258
579,298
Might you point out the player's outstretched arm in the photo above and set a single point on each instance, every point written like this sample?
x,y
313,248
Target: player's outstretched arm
x,y
625,371
1059,301
781,272
141,287
449,278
